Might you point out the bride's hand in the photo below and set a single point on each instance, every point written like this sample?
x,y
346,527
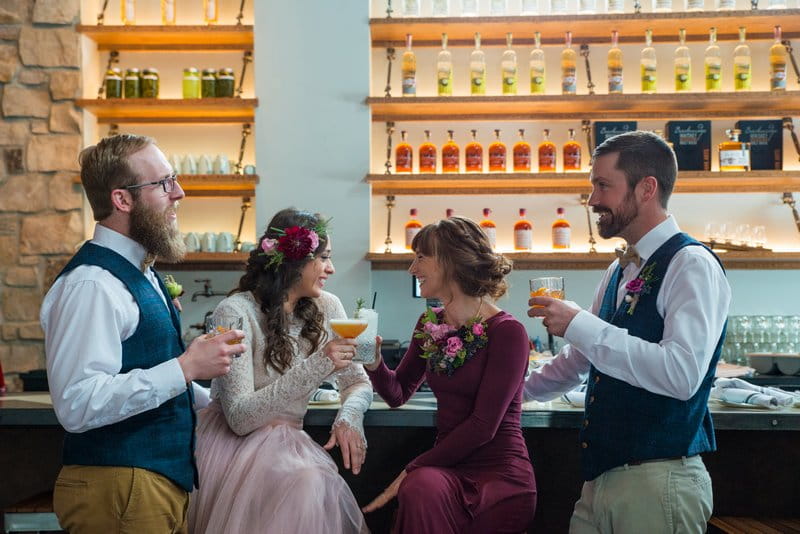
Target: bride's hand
x,y
354,451
387,495
340,351
374,365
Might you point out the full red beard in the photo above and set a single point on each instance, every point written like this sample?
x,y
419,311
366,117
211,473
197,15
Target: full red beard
x,y
157,234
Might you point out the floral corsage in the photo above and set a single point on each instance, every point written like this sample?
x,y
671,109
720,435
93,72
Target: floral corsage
x,y
641,285
447,348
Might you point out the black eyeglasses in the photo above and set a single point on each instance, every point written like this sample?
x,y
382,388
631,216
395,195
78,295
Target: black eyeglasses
x,y
167,184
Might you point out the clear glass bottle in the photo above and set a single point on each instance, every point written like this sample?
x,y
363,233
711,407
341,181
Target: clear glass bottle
x,y
547,154
683,64
569,73
450,154
489,227
734,155
572,153
469,8
615,6
522,154
648,64
403,155
537,66
523,232
444,70
440,8
210,11
412,227
477,69
411,8
615,65
587,7
497,154
558,7
508,67
662,6
168,12
695,5
473,154
726,5
409,69
777,63
562,231
713,63
498,8
128,12
742,64
530,7
427,155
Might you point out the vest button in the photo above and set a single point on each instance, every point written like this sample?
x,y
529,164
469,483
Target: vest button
x,y
585,423
597,379
585,445
591,399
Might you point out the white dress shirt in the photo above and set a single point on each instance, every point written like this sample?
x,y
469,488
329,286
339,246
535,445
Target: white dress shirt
x,y
693,301
86,316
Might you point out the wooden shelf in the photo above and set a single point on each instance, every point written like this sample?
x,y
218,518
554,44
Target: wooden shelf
x,y
579,261
569,183
208,261
170,110
585,28
170,38
577,107
214,185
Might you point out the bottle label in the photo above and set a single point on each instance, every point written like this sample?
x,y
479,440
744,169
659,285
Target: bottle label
x,y
695,5
713,77
523,239
473,159
547,161
561,237
477,82
568,81
497,159
683,81
491,233
445,82
648,78
734,158
777,79
510,84
726,4
616,6
572,159
615,80
663,5
409,85
450,160
403,160
427,162
537,80
410,233
741,77
522,159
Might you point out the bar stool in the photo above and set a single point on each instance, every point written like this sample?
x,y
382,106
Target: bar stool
x,y
34,514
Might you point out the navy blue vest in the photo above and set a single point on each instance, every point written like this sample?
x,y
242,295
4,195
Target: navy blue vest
x,y
624,423
161,440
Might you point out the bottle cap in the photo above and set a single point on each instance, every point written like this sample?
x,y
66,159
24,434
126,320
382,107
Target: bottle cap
x,y
560,211
522,212
486,212
449,212
413,212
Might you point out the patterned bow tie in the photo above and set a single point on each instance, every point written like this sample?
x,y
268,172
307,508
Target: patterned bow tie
x,y
148,261
628,255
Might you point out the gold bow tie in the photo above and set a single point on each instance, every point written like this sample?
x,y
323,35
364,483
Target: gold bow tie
x,y
148,261
628,255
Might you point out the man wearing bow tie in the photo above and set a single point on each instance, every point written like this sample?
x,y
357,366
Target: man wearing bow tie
x,y
119,374
649,346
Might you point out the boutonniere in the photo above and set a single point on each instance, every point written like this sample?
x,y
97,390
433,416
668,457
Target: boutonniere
x,y
641,285
447,348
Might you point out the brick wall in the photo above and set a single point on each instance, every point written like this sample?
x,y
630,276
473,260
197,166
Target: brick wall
x,y
40,210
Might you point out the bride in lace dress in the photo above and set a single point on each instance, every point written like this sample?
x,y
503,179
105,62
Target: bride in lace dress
x,y
259,471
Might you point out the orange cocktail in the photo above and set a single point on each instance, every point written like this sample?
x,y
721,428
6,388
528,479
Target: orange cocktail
x,y
348,328
548,286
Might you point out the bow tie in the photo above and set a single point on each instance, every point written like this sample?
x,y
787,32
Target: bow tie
x,y
628,255
148,261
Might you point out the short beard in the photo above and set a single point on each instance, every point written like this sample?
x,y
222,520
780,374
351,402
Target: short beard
x,y
620,220
151,230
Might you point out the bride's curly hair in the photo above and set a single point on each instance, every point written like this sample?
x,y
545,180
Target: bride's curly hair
x,y
270,285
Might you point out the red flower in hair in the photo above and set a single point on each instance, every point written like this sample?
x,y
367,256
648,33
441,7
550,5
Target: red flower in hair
x,y
298,242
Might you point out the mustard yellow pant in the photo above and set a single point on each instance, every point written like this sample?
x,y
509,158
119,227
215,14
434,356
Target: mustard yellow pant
x,y
118,500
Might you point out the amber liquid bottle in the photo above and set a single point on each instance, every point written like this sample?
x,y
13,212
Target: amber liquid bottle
x,y
403,155
497,154
489,227
450,154
473,155
427,155
522,154
413,226
572,153
547,154
523,232
562,231
734,155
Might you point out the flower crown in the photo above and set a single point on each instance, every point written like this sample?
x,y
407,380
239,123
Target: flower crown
x,y
293,243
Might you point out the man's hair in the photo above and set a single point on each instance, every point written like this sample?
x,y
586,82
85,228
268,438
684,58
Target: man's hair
x,y
643,154
104,167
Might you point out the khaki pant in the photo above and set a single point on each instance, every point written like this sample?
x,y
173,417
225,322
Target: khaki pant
x,y
663,497
118,500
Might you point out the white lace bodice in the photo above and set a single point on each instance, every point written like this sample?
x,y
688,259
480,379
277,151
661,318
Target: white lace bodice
x,y
252,395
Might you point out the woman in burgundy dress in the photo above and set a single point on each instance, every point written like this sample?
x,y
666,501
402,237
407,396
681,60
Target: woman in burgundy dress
x,y
478,476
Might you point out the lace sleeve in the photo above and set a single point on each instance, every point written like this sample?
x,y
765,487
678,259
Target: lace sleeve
x,y
356,391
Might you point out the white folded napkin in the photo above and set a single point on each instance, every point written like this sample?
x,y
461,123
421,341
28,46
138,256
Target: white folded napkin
x,y
325,395
782,398
576,397
744,396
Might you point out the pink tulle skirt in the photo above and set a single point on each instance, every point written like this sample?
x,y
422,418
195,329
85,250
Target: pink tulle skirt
x,y
275,479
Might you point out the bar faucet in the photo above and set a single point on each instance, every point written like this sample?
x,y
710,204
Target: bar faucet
x,y
207,290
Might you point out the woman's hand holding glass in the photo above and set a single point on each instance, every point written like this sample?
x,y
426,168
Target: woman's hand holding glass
x,y
340,351
354,451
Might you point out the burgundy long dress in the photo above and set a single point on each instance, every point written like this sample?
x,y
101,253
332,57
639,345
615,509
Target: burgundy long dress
x,y
478,476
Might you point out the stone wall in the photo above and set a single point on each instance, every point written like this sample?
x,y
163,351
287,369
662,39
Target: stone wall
x,y
40,210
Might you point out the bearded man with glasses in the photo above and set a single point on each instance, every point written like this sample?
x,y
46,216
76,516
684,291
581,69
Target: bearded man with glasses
x,y
119,374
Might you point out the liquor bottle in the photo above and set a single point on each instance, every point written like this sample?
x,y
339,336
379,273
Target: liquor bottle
x,y
562,231
537,66
683,64
497,154
413,226
569,79
648,63
742,64
523,232
128,12
777,63
450,154
713,63
572,153
489,227
522,154
477,69
427,155
444,70
409,69
449,212
473,155
734,155
403,155
210,11
615,65
547,154
168,14
508,66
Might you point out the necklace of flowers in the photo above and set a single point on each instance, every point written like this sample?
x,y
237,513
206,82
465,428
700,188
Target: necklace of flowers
x,y
447,348
293,243
641,285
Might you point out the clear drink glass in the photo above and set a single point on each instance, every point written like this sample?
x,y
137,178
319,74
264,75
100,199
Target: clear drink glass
x,y
548,286
220,323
